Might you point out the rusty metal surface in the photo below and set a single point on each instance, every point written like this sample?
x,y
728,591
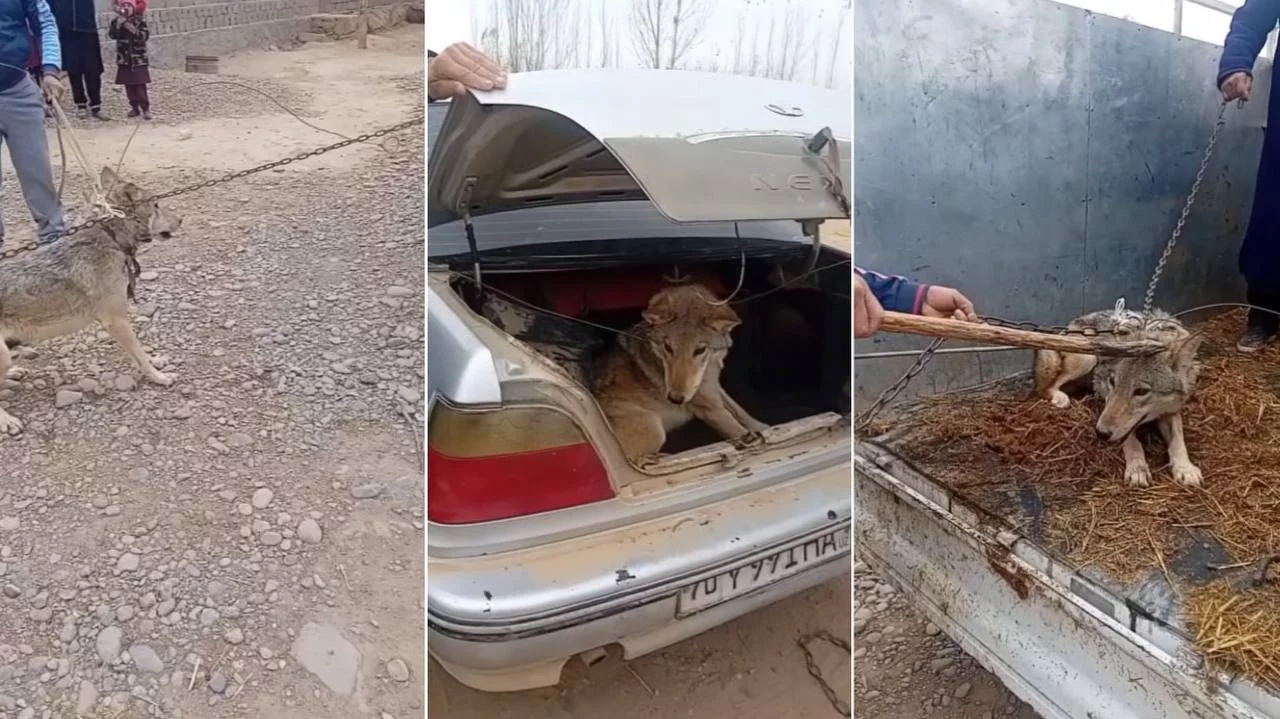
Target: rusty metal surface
x,y
1067,646
1037,155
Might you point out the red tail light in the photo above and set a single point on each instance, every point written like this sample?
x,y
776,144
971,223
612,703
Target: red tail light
x,y
514,461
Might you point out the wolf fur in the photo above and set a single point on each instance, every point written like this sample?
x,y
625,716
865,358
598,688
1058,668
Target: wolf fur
x,y
1135,390
666,372
62,287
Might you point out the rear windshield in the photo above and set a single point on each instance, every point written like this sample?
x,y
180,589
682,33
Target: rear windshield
x,y
622,220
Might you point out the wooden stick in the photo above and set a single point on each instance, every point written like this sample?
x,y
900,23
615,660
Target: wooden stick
x,y
1010,337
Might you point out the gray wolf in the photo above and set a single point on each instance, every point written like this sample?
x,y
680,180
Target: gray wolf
x,y
61,288
1135,390
665,372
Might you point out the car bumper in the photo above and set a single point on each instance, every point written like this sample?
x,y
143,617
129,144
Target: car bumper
x,y
650,564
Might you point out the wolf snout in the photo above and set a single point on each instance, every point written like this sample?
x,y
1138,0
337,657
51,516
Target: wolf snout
x,y
1106,435
676,398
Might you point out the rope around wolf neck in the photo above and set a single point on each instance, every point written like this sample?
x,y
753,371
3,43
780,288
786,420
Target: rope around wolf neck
x,y
96,196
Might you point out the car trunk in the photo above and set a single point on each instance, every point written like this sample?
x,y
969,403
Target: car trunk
x,y
790,357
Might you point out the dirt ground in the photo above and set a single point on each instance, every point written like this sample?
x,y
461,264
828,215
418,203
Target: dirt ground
x,y
247,542
905,668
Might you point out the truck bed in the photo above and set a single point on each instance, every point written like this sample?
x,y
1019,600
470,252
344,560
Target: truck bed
x,y
1173,556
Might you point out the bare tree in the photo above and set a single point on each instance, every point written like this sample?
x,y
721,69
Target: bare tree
x,y
664,31
835,46
646,30
608,39
532,34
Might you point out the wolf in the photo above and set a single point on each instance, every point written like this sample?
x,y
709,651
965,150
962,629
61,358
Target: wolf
x,y
665,372
62,287
1135,390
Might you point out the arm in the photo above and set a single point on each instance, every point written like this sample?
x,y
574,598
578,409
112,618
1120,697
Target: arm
x,y
113,30
45,27
895,294
1249,28
144,33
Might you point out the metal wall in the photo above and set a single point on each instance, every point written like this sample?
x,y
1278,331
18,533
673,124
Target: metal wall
x,y
1037,156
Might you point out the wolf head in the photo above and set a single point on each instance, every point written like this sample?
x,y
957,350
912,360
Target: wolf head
x,y
687,333
153,220
1137,390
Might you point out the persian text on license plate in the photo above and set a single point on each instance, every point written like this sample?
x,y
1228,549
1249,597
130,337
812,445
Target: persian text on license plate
x,y
761,572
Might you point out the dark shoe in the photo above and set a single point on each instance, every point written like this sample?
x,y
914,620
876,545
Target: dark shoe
x,y
146,114
1254,339
134,112
97,115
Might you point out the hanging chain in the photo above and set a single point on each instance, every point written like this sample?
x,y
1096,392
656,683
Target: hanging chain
x,y
923,359
1150,297
841,706
239,174
895,389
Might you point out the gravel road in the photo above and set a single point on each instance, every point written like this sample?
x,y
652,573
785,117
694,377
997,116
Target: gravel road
x,y
248,541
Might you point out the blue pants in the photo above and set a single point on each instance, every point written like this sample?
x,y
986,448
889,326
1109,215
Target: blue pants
x,y
22,130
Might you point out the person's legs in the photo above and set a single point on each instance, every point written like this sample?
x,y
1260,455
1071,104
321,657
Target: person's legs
x,y
93,92
1262,326
22,119
1,178
78,93
144,101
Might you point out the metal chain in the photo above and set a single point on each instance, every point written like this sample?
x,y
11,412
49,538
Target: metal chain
x,y
237,175
895,389
923,359
841,706
1150,297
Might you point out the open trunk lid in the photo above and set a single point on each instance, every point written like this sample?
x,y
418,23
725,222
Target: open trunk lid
x,y
701,147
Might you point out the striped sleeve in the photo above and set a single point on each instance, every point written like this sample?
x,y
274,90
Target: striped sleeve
x,y
50,50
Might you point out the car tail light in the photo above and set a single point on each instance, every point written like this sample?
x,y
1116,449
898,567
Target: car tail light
x,y
487,464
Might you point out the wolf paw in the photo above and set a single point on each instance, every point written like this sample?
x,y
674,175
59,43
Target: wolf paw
x,y
9,424
1137,475
647,460
160,378
1188,475
750,439
1060,399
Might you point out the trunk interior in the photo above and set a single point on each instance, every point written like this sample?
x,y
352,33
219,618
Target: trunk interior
x,y
791,354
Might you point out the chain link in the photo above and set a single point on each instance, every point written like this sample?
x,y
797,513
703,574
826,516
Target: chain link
x,y
841,706
895,389
1149,300
239,174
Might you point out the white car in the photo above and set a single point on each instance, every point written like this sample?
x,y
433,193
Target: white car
x,y
555,210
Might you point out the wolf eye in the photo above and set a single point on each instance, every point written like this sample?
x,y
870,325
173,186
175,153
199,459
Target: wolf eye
x,y
667,346
697,351
1141,392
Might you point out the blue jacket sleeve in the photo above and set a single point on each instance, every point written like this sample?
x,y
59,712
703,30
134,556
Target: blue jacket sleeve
x,y
1249,28
896,294
43,25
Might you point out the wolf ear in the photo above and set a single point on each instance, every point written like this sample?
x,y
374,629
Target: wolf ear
x,y
722,319
1184,351
108,178
660,310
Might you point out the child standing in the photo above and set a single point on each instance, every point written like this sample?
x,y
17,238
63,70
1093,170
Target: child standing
x,y
130,32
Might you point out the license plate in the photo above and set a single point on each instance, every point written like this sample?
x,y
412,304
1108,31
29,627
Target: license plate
x,y
762,572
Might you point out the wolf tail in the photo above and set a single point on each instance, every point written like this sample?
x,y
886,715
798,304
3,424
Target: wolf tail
x,y
1048,364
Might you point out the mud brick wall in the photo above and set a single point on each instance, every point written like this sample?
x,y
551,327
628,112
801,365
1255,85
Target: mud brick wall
x,y
220,27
